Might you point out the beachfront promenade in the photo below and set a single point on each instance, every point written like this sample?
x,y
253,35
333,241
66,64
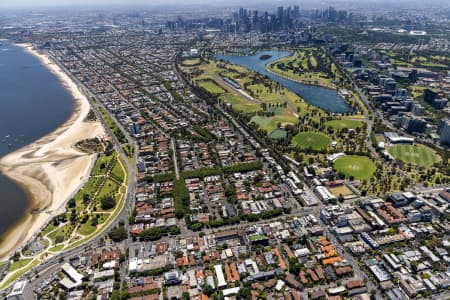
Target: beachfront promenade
x,y
49,258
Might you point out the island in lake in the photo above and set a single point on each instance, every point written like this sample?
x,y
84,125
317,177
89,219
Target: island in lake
x,y
265,56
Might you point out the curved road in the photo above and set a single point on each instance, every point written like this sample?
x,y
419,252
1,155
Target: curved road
x,y
53,264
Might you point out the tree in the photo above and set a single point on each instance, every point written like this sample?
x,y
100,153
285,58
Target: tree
x,y
151,234
71,203
59,239
244,294
208,290
174,230
108,203
118,234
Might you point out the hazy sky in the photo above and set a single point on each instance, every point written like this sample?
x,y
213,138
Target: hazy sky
x,y
31,3
302,3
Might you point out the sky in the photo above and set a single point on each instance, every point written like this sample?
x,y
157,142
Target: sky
x,y
33,3
61,3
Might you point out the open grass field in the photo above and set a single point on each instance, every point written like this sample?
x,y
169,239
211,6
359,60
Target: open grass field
x,y
117,172
109,189
210,86
341,124
101,164
57,248
278,134
270,124
238,103
314,140
19,264
360,167
418,155
64,232
191,62
86,228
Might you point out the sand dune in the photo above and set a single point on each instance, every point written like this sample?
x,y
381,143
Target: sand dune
x,y
51,170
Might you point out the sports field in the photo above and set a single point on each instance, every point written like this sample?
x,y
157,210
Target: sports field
x,y
270,124
360,167
278,134
314,140
341,190
191,62
418,155
341,124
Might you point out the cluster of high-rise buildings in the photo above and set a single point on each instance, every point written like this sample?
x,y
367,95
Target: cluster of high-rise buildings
x,y
246,20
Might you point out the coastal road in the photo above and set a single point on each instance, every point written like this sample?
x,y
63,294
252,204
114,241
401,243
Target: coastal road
x,y
53,264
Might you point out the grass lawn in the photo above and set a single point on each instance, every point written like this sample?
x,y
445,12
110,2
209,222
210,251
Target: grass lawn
x,y
108,189
270,124
340,124
19,264
102,161
57,248
48,228
191,62
360,167
238,103
210,86
297,65
117,172
88,189
314,140
102,218
63,231
418,155
278,134
86,228
17,274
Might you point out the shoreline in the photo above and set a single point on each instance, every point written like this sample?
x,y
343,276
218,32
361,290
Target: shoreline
x,y
299,80
50,170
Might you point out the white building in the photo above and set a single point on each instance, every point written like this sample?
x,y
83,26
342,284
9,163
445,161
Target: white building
x,y
21,291
221,283
324,193
74,278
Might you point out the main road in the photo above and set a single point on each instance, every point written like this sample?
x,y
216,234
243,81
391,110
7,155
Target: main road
x,y
52,265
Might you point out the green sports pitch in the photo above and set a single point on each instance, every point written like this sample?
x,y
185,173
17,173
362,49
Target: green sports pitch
x,y
418,155
313,140
278,134
341,124
360,167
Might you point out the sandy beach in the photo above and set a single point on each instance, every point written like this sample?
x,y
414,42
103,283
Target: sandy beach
x,y
50,169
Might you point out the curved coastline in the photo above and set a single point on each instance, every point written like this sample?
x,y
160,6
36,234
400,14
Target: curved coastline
x,y
50,169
